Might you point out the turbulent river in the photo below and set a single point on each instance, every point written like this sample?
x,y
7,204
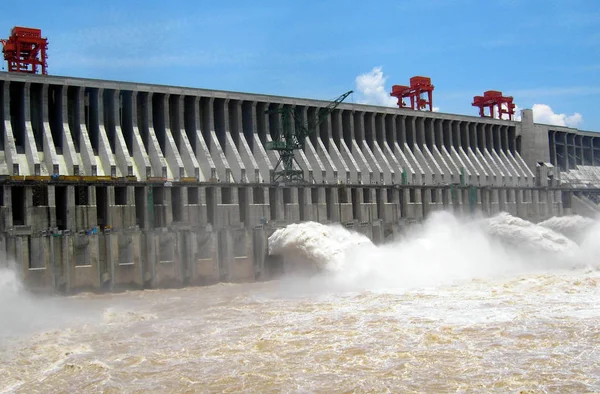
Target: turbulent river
x,y
486,305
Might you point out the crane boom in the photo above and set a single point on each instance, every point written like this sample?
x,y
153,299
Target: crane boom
x,y
289,139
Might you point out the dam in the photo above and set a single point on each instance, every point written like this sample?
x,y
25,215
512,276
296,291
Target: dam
x,y
109,185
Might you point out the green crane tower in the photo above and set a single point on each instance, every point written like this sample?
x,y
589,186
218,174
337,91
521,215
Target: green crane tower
x,y
289,139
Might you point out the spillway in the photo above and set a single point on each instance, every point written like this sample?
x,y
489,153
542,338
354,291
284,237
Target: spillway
x,y
109,184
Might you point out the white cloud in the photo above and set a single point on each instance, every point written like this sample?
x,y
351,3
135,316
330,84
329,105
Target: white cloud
x,y
371,89
542,113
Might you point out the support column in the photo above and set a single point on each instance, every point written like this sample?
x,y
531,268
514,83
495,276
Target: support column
x,y
35,166
140,156
68,147
104,149
85,146
50,156
10,148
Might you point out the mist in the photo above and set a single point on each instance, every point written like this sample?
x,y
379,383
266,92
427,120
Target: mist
x,y
443,250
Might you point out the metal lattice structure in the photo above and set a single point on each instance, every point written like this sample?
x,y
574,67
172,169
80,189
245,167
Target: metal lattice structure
x,y
494,101
25,51
420,94
291,137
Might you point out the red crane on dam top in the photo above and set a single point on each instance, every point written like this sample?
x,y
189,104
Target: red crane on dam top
x,y
25,50
419,92
491,100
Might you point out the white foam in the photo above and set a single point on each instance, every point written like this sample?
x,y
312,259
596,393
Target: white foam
x,y
444,249
573,226
324,246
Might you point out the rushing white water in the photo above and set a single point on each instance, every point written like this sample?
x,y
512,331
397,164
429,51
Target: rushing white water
x,y
482,305
443,250
574,227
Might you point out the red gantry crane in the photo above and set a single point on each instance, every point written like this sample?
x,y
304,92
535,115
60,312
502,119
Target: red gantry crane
x,y
420,93
25,50
492,99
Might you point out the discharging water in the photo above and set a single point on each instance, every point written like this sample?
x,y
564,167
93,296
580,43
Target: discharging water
x,y
488,305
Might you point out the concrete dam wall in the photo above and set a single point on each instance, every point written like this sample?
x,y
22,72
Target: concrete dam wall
x,y
110,185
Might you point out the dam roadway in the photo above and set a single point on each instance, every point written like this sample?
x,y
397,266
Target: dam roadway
x,y
109,185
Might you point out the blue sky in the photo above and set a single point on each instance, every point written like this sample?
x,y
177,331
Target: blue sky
x,y
543,52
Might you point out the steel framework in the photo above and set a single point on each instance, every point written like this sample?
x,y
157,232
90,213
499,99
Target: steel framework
x,y
491,100
291,137
420,93
26,50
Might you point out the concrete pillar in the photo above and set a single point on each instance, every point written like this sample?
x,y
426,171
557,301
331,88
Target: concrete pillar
x,y
257,121
143,166
332,154
364,134
159,164
183,117
216,150
448,172
31,151
343,132
85,145
50,155
113,125
69,152
104,149
534,140
171,153
10,148
354,130
319,171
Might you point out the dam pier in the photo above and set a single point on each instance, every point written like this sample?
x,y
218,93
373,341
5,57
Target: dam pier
x,y
108,185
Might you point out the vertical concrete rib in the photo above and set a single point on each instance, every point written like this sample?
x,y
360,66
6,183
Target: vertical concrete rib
x,y
482,147
104,149
478,178
85,146
445,165
33,159
319,172
50,156
445,147
421,149
333,168
387,142
159,164
10,148
234,159
354,128
511,178
216,151
510,164
171,153
471,144
208,170
527,174
259,124
421,176
366,130
342,158
458,154
390,175
271,116
140,156
252,169
186,152
114,122
394,150
300,156
68,147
